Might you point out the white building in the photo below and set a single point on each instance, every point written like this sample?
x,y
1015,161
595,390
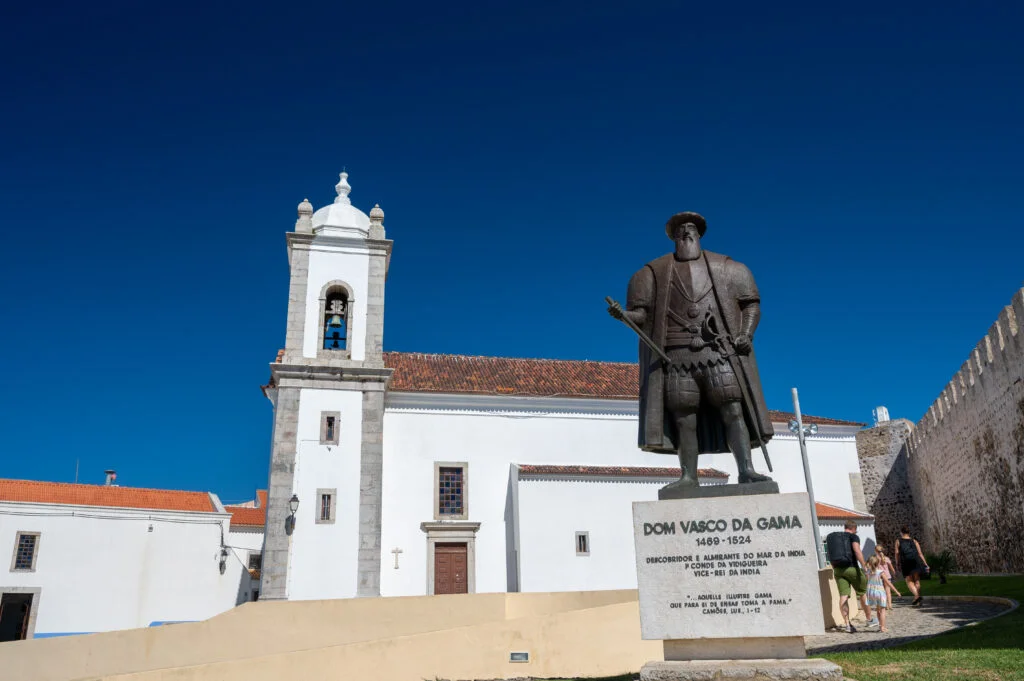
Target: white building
x,y
88,558
416,474
408,474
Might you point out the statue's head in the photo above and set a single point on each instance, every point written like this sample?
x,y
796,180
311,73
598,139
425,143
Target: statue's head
x,y
686,230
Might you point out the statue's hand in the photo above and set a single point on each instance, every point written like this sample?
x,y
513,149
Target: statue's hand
x,y
615,310
743,344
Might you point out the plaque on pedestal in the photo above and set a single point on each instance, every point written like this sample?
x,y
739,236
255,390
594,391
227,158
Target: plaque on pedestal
x,y
727,567
729,580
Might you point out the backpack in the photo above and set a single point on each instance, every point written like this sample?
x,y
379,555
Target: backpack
x,y
839,550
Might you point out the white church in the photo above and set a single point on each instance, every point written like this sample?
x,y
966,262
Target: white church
x,y
416,474
391,474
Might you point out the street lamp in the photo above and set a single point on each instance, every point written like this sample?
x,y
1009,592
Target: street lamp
x,y
801,431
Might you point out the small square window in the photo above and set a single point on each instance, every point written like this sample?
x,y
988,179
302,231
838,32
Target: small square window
x,y
255,561
26,545
582,543
330,427
327,500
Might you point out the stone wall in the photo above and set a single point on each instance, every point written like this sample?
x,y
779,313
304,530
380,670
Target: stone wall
x,y
965,458
882,452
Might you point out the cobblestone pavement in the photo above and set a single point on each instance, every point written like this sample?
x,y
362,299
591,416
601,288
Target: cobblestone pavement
x,y
905,623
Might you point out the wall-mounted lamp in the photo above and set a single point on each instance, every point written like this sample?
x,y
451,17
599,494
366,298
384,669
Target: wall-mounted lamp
x,y
293,506
223,560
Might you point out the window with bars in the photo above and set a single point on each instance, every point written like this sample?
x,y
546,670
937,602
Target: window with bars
x,y
582,543
255,561
327,501
450,496
25,545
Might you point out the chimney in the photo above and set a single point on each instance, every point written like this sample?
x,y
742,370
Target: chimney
x,y
111,477
880,414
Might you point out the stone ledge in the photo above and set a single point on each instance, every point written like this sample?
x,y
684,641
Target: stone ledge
x,y
814,669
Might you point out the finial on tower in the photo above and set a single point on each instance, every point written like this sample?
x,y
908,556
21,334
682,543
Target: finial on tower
x,y
376,215
305,221
376,222
343,188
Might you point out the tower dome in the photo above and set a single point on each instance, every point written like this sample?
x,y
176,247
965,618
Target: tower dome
x,y
341,217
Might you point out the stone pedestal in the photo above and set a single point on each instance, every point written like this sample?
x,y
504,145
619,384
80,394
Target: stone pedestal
x,y
730,584
707,491
814,669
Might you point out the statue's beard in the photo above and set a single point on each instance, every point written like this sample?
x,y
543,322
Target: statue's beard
x,y
687,249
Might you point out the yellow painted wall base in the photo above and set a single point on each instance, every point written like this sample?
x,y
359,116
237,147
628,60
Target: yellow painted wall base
x,y
469,636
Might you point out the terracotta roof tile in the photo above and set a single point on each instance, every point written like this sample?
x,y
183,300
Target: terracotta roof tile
x,y
617,471
419,372
34,491
244,516
830,512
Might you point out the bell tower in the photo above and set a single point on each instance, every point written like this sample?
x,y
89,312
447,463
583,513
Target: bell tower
x,y
327,390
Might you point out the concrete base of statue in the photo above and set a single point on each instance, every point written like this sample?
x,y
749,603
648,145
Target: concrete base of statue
x,y
730,584
814,669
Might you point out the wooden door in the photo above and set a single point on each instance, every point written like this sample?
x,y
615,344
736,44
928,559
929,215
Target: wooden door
x,y
450,569
14,614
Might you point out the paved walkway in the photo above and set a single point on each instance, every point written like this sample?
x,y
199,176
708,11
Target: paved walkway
x,y
905,623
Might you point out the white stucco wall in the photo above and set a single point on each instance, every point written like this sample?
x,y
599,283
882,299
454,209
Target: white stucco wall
x,y
324,555
551,512
243,542
329,261
416,435
102,569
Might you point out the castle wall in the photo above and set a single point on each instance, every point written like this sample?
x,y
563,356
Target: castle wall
x,y
882,451
965,458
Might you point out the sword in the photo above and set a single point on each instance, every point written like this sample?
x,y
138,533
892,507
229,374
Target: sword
x,y
643,336
737,368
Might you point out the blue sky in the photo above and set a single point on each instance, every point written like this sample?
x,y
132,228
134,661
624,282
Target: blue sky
x,y
863,161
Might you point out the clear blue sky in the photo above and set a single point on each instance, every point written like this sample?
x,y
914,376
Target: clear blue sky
x,y
864,161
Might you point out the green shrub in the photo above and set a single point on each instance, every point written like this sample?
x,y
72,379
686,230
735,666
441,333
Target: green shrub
x,y
942,564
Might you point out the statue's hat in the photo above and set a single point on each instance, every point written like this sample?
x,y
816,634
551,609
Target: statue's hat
x,y
682,219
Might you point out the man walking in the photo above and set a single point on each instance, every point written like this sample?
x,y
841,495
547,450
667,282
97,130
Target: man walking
x,y
850,571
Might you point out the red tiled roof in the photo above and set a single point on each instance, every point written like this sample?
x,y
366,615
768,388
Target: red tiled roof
x,y
830,512
618,471
419,372
243,516
251,513
34,491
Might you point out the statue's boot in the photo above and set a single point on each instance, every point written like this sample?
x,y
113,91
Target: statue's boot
x,y
688,464
747,472
685,482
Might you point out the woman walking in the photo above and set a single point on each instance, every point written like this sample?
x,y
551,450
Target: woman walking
x,y
912,563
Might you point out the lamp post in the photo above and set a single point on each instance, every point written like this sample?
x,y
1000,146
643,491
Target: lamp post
x,y
797,426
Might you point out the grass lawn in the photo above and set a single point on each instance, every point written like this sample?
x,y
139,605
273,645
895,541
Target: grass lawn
x,y
992,650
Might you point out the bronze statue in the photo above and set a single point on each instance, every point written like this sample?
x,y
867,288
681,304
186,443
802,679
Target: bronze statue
x,y
696,313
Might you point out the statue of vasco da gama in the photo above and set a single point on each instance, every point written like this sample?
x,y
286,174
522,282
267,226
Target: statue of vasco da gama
x,y
701,309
